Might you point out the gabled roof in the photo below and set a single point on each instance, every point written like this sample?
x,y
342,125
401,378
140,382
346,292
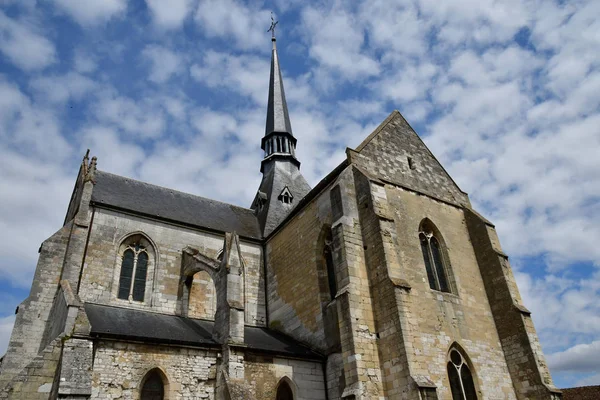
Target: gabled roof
x,y
395,153
114,191
124,323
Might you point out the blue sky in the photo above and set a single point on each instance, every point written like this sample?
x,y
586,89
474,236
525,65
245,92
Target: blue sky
x,y
506,94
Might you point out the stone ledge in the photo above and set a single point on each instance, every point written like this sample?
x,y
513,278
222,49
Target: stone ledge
x,y
522,309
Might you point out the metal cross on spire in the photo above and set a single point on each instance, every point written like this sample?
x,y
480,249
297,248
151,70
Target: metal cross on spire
x,y
273,25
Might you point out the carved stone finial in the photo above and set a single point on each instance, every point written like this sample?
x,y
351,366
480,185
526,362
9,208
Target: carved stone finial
x,y
91,171
85,162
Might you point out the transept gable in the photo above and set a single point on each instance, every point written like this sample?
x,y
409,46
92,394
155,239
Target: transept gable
x,y
395,153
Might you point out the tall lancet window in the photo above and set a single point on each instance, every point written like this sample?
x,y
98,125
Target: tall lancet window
x,y
434,257
135,255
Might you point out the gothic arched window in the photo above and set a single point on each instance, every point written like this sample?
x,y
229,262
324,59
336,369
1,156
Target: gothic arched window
x,y
284,391
434,258
153,387
135,256
462,385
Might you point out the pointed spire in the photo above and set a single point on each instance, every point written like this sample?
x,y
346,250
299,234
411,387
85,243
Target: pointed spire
x,y
278,119
279,142
282,185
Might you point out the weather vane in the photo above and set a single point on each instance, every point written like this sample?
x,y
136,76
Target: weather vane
x,y
273,25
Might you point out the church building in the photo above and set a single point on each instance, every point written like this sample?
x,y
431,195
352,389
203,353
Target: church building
x,y
380,282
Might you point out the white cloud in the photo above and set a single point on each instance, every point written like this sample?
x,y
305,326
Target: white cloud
x,y
337,42
90,12
247,75
84,62
6,325
164,63
59,89
114,154
246,25
170,14
24,45
582,357
143,119
588,381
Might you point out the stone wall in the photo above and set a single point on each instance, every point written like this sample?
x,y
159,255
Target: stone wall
x,y
437,319
522,349
395,153
202,297
38,379
305,378
119,369
294,284
102,265
33,313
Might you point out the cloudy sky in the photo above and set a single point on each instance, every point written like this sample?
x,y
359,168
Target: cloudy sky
x,y
505,93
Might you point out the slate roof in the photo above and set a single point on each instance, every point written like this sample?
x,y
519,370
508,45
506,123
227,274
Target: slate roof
x,y
581,393
159,202
278,119
123,323
276,177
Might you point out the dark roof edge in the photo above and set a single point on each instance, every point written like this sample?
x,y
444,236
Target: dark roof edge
x,y
97,204
309,197
313,356
161,342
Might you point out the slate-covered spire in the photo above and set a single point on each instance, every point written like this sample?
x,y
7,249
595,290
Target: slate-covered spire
x,y
278,142
282,186
278,119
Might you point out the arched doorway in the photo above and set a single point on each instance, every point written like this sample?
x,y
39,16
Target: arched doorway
x,y
284,391
153,386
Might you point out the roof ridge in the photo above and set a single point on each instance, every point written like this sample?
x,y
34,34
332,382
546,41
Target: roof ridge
x,y
175,190
377,130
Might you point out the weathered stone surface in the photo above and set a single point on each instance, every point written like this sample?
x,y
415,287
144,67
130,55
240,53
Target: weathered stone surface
x,y
345,275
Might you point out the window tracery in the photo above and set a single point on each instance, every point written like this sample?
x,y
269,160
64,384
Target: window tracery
x,y
136,255
462,385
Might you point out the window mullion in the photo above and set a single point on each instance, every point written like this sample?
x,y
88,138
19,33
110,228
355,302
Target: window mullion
x,y
462,387
433,267
135,259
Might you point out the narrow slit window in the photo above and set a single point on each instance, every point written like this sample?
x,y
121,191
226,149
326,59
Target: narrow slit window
x,y
411,163
328,254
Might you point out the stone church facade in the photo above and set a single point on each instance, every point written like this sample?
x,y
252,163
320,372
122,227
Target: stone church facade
x,y
381,282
